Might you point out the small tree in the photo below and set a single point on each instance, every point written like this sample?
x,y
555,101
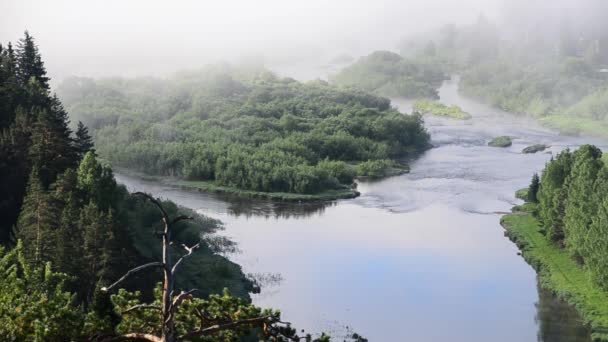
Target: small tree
x,y
533,189
83,142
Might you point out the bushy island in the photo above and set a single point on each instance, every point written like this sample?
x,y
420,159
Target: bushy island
x,y
243,131
562,231
389,74
439,109
80,257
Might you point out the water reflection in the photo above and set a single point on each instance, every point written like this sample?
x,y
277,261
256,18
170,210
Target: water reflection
x,y
276,210
224,204
557,321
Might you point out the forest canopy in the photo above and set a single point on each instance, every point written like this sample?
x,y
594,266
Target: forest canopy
x,y
241,128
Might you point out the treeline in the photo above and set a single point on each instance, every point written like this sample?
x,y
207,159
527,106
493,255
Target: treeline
x,y
544,88
68,230
242,128
572,197
389,74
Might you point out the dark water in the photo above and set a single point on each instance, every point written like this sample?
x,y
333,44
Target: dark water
x,y
419,257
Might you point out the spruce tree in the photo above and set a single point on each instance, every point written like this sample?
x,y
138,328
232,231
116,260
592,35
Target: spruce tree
x,y
38,221
98,241
69,235
9,87
83,142
533,189
51,150
552,195
580,206
29,62
14,171
597,238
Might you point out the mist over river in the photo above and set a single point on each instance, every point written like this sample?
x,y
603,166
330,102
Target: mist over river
x,y
418,257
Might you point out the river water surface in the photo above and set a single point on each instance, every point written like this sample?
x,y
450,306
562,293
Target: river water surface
x,y
418,257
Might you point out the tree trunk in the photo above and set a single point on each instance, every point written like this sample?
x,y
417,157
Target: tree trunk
x,y
168,325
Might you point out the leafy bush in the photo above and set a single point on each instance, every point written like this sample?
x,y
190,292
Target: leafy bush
x,y
439,109
374,168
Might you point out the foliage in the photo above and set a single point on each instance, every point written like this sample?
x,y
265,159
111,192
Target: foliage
x,y
552,194
522,194
439,109
388,74
580,204
34,303
572,202
543,90
532,191
242,129
375,168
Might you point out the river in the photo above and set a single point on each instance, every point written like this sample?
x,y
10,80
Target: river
x,y
418,257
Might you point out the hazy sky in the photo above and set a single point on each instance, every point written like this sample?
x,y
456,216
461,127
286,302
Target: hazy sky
x,y
135,37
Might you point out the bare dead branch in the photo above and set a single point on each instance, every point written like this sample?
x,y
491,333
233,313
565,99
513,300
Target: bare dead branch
x,y
134,270
190,250
141,307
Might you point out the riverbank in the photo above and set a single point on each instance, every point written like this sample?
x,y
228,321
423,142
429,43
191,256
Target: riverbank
x,y
208,186
211,187
576,126
557,271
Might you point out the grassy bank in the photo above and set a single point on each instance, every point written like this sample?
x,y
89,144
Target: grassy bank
x,y
576,125
558,272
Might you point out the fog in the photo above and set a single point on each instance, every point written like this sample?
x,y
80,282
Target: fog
x,y
137,37
143,37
